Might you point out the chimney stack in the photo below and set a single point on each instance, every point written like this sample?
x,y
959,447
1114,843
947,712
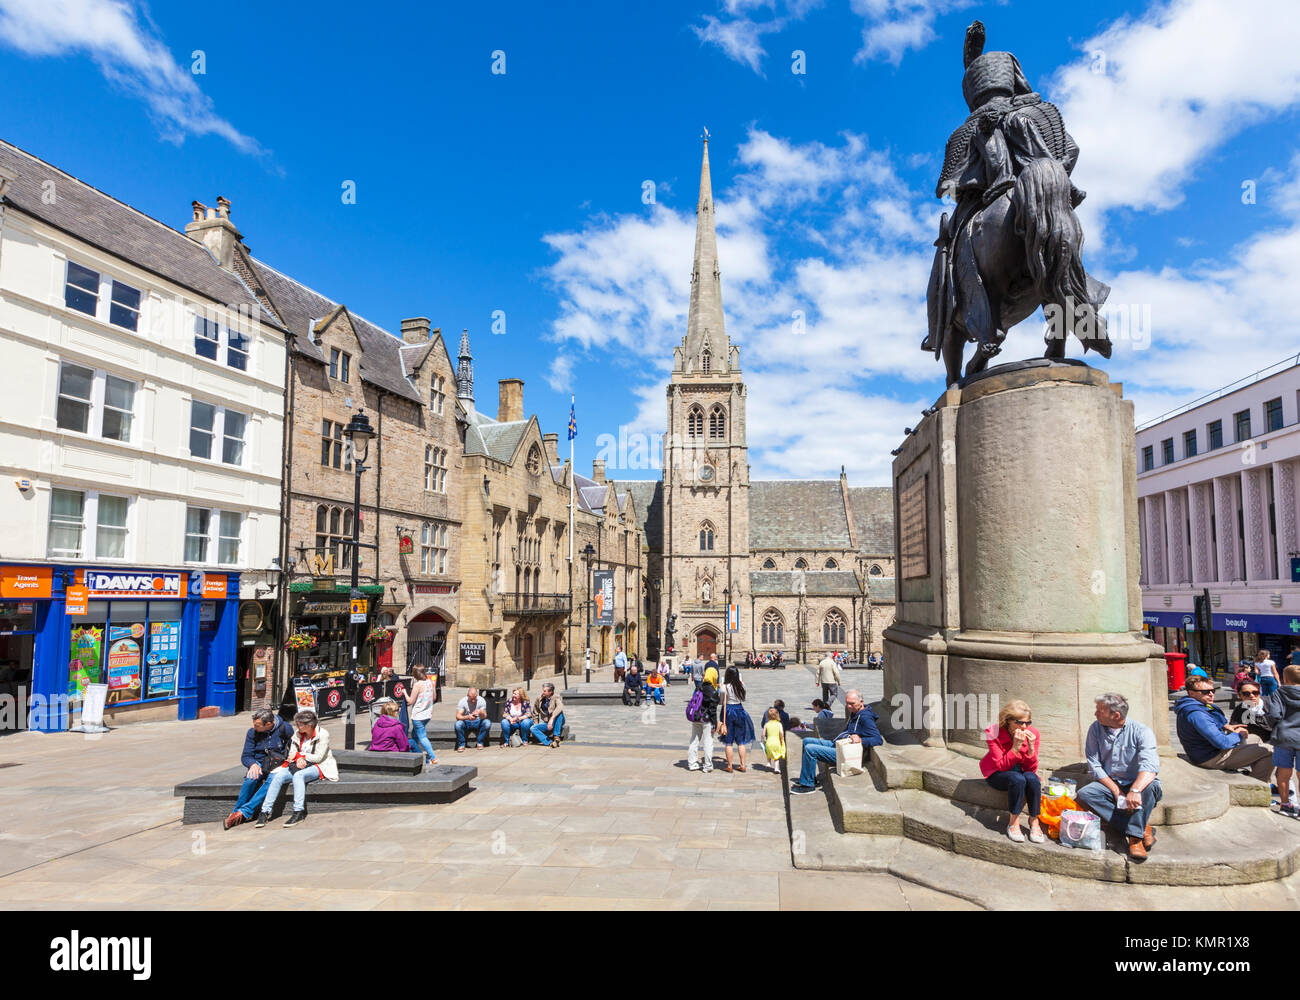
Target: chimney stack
x,y
212,227
598,470
552,444
415,330
510,400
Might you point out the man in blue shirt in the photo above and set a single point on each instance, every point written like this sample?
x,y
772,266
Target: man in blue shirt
x,y
1208,739
861,729
1122,756
620,664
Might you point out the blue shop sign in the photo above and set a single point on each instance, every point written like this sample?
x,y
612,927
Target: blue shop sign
x,y
1167,619
1263,624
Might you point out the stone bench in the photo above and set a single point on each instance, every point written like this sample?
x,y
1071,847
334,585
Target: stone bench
x,y
366,781
595,694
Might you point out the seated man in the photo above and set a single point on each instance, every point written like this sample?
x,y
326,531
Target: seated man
x,y
471,717
861,729
654,685
265,746
548,718
1211,741
1122,756
632,684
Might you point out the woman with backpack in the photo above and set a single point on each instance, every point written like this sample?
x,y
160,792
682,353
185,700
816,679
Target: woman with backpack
x,y
736,727
702,713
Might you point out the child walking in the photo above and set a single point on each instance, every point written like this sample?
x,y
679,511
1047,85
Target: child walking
x,y
774,739
1284,713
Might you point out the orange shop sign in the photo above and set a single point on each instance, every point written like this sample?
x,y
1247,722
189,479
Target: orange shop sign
x,y
25,582
76,600
214,586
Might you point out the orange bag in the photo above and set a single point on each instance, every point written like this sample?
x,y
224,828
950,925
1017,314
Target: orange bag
x,y
1049,815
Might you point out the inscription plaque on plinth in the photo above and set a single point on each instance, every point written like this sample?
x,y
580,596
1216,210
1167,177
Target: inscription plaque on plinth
x,y
913,530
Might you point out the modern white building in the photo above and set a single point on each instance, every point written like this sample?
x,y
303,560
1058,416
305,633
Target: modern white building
x,y
141,437
1218,511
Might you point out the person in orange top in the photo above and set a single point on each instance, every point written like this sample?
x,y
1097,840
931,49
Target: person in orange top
x,y
1011,766
655,685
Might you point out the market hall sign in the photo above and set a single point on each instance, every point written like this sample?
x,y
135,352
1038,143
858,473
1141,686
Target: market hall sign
x,y
473,652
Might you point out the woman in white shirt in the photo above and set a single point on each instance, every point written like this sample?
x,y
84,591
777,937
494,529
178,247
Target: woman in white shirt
x,y
420,700
737,728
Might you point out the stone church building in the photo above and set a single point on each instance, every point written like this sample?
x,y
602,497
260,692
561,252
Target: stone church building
x,y
807,564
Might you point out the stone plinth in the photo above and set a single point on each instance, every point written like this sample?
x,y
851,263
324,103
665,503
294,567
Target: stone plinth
x,y
1017,549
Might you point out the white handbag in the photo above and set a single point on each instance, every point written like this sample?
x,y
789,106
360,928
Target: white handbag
x,y
848,758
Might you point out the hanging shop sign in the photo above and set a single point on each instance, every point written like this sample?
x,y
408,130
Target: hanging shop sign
x,y
76,601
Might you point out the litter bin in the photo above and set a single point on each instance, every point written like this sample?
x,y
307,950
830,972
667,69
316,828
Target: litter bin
x,y
1176,669
496,703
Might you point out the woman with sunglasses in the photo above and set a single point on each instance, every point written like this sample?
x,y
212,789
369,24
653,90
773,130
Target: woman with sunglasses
x,y
1011,766
1251,712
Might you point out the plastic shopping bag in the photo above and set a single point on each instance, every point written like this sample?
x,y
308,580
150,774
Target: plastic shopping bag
x,y
848,758
1081,829
1049,815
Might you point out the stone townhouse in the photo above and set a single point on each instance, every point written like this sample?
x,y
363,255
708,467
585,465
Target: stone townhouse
x,y
612,528
808,565
340,364
522,608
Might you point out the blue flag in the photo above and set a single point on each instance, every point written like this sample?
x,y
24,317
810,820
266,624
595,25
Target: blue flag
x,y
573,423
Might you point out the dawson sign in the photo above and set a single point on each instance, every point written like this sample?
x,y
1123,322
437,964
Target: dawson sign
x,y
126,583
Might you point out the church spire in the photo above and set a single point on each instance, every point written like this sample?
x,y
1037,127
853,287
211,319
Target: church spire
x,y
704,323
465,370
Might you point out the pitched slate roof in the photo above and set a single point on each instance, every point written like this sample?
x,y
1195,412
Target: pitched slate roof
x,y
492,438
648,495
819,583
300,307
118,229
873,518
881,589
414,355
797,514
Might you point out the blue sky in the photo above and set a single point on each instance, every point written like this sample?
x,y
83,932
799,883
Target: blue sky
x,y
523,191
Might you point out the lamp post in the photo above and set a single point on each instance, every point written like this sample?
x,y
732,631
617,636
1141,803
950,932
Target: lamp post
x,y
726,624
587,553
358,432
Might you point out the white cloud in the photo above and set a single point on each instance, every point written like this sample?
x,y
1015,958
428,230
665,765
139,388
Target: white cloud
x,y
1179,82
891,27
128,53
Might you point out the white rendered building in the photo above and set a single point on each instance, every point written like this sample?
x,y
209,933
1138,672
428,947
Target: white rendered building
x,y
141,437
1218,512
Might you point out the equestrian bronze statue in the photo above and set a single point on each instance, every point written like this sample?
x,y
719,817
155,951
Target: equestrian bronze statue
x,y
1013,242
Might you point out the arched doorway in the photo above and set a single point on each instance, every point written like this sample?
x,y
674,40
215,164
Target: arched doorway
x,y
706,643
426,644
605,655
631,646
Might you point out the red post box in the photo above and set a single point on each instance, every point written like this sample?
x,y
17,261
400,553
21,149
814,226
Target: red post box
x,y
1176,668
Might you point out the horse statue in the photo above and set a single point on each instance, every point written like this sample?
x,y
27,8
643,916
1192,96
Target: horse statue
x,y
1013,242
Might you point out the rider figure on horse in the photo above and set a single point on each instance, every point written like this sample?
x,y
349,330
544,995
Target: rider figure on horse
x,y
1009,128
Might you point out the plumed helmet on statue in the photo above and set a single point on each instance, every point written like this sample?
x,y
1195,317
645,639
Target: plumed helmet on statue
x,y
988,73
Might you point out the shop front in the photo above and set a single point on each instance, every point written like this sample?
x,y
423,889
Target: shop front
x,y
162,641
1251,631
256,656
319,647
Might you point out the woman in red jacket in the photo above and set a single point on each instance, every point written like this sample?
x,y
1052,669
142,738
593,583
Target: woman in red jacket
x,y
1011,766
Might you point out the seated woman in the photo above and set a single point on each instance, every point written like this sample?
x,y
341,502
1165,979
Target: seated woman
x,y
387,734
654,685
1011,766
309,759
822,709
517,711
1251,711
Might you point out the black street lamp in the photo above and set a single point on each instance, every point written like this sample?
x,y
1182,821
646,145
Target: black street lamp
x,y
726,623
587,553
358,432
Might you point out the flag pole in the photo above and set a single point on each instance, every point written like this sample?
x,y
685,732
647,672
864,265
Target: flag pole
x,y
572,402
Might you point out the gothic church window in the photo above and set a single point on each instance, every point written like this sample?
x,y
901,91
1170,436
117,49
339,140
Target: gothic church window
x,y
773,627
833,629
769,564
706,537
831,564
876,570
706,362
717,423
801,564
534,463
695,422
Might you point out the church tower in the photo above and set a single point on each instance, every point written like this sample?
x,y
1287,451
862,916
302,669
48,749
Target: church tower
x,y
706,463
